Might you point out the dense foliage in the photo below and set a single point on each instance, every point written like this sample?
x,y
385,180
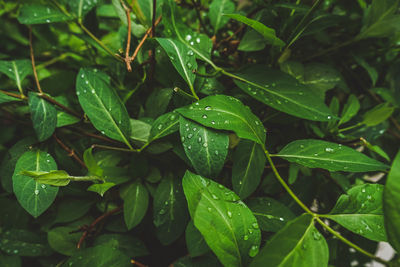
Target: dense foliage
x,y
199,132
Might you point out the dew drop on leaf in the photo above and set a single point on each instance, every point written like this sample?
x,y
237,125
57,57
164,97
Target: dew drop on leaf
x,y
253,251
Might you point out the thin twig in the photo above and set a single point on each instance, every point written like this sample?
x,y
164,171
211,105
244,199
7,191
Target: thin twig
x,y
94,223
12,94
99,137
33,62
146,35
153,19
53,101
70,151
114,148
138,263
128,37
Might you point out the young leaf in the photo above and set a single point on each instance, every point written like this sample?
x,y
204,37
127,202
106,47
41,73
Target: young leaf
x,y
181,57
377,115
298,244
56,178
226,113
169,210
271,214
91,163
227,225
248,166
102,105
217,9
326,155
44,116
16,70
136,200
360,211
205,148
40,14
350,109
34,197
164,125
391,207
266,32
282,92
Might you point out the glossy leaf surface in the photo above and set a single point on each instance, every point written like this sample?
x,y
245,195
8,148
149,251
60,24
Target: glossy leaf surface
x,y
41,14
217,9
16,70
44,116
136,200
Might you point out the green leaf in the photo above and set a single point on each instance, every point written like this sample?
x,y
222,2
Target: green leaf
x,y
360,211
140,130
102,105
350,109
226,113
205,148
270,214
195,242
70,209
248,166
64,119
282,92
16,70
217,9
40,14
44,116
164,125
136,201
10,261
227,225
158,101
56,178
128,244
34,197
62,240
7,99
169,210
321,77
377,115
24,243
298,244
373,74
91,163
81,7
326,155
266,32
101,189
181,57
391,207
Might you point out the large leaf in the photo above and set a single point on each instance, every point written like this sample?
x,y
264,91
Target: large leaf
x,y
333,157
227,225
34,197
266,32
391,207
44,116
169,210
181,57
282,92
16,70
40,14
360,211
24,243
205,148
298,244
217,9
62,240
81,7
136,200
102,105
226,113
248,166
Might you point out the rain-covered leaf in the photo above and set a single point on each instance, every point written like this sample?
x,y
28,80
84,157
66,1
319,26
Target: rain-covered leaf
x,y
41,14
43,115
16,70
22,242
217,9
164,125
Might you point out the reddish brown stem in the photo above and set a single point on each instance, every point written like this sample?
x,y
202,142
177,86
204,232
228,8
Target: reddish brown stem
x,y
146,35
127,59
12,94
67,109
70,151
33,62
138,263
99,137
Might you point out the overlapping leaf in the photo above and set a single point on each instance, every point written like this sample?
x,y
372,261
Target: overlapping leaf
x,y
44,116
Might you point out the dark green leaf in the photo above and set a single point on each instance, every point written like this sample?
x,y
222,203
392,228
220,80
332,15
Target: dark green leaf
x,y
350,109
81,7
217,9
40,14
44,116
128,244
377,115
24,243
62,240
136,200
16,70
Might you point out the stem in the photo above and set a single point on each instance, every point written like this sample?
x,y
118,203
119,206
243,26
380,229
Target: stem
x,y
85,178
196,7
33,62
53,101
350,127
128,38
115,148
207,75
22,96
70,151
153,19
184,94
348,242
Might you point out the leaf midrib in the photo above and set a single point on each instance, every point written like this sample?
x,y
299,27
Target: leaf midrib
x,y
182,63
248,167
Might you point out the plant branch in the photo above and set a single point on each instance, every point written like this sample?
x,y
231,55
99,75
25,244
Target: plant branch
x,y
12,94
153,19
127,58
65,108
70,151
33,62
114,148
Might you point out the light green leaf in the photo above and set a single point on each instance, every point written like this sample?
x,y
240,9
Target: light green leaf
x,y
81,7
91,163
270,214
164,125
16,70
226,113
248,166
350,109
282,92
146,8
182,58
169,210
217,9
326,155
136,200
62,240
391,207
140,130
298,244
377,115
227,225
102,105
360,211
205,148
56,178
266,32
40,14
100,189
7,99
64,119
44,116
34,197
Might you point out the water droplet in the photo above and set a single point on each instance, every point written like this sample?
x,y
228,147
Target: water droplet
x,y
301,93
281,219
87,82
316,154
212,122
214,197
250,231
78,93
194,129
172,117
159,127
329,117
278,102
190,53
205,145
253,251
84,90
189,147
273,84
199,139
103,132
255,225
166,202
229,214
188,37
363,190
43,186
189,65
301,146
190,136
209,209
256,122
246,237
316,235
82,75
35,14
47,20
198,40
15,251
93,91
207,108
162,211
216,152
191,43
36,192
204,116
197,103
172,58
183,139
330,150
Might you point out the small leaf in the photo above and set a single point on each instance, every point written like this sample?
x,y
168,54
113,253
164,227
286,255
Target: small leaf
x,y
391,207
136,200
298,244
7,99
16,70
81,7
360,211
44,116
91,163
164,125
40,14
217,9
226,113
333,157
350,109
102,105
34,197
226,223
140,130
56,178
268,33
205,148
248,166
100,189
377,115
